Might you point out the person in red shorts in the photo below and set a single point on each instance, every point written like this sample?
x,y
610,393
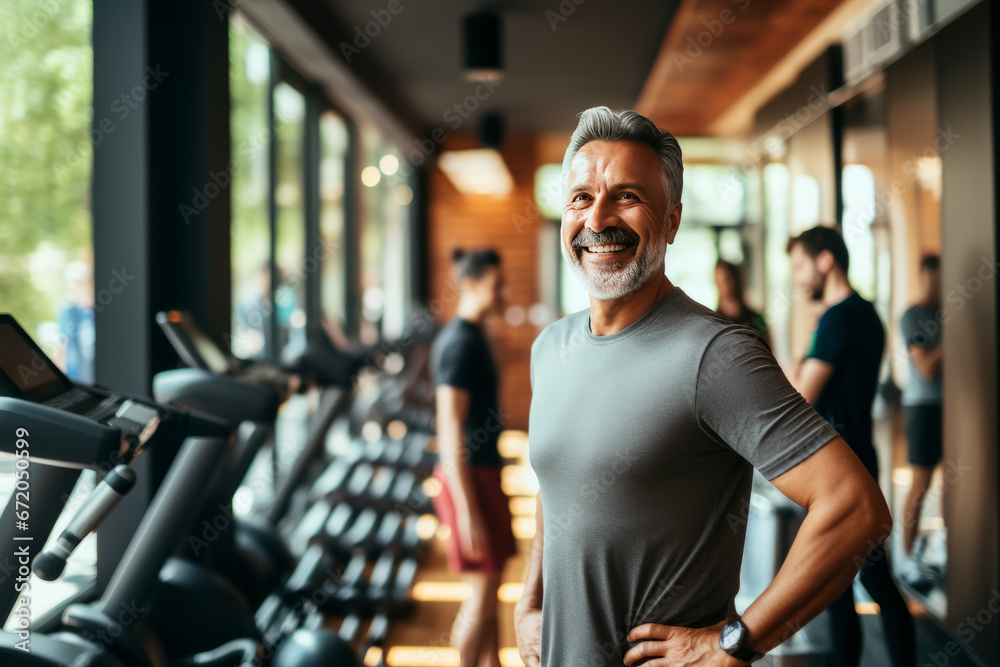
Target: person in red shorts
x,y
468,422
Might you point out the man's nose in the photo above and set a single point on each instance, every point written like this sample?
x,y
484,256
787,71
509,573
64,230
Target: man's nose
x,y
602,215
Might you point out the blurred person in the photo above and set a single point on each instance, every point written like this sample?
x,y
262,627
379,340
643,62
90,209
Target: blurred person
x,y
253,308
648,414
732,305
839,376
76,324
468,423
922,398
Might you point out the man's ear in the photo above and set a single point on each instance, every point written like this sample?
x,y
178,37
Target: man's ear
x,y
673,222
825,261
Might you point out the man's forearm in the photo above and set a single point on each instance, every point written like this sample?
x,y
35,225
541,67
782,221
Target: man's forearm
x,y
827,553
456,471
531,598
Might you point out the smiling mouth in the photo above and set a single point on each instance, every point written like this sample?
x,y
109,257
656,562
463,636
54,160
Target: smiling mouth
x,y
606,249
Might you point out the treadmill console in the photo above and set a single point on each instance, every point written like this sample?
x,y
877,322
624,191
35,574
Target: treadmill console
x,y
27,373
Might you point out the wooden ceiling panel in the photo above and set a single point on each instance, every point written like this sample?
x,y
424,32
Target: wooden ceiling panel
x,y
715,52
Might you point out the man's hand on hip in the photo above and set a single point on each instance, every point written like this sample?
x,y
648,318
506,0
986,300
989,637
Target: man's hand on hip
x,y
670,646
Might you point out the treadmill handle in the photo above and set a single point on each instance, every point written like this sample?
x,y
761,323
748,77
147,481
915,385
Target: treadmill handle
x,y
49,564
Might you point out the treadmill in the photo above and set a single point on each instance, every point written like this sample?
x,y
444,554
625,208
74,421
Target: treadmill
x,y
197,350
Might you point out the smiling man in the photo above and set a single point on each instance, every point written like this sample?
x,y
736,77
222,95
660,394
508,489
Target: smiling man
x,y
648,413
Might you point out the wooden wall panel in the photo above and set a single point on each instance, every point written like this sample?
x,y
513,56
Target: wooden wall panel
x,y
507,224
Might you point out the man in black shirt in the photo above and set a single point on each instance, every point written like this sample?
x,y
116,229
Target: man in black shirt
x,y
839,376
461,357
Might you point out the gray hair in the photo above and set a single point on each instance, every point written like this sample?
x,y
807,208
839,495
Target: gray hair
x,y
603,124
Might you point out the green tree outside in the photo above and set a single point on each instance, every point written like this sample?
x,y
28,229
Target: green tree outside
x,y
46,155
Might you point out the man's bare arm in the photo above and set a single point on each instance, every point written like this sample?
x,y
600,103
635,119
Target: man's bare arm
x,y
452,408
846,518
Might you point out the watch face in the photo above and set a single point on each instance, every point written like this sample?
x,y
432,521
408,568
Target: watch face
x,y
730,636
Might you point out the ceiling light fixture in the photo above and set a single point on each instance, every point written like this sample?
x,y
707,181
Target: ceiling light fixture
x,y
478,171
483,42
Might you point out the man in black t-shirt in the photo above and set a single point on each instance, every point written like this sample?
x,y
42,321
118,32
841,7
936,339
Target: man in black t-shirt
x,y
839,376
461,357
849,339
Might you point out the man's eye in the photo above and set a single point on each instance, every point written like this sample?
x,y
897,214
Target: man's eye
x,y
628,194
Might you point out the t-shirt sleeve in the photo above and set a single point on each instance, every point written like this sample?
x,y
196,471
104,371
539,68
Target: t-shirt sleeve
x,y
744,400
535,346
456,364
830,339
531,367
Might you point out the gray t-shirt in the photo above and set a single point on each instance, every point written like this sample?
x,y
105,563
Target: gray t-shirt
x,y
642,441
920,327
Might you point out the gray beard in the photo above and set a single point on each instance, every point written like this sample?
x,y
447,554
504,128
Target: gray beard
x,y
614,280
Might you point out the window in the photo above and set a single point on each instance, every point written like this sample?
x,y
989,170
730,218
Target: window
x,y
250,235
46,152
334,138
46,256
384,238
806,202
859,214
289,219
777,267
289,295
713,195
691,262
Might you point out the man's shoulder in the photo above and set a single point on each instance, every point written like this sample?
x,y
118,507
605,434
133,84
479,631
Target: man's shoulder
x,y
562,329
850,310
686,310
453,336
915,314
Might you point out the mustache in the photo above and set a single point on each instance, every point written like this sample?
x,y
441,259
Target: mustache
x,y
610,236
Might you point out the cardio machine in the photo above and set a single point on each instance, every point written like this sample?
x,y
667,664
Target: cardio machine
x,y
62,428
342,539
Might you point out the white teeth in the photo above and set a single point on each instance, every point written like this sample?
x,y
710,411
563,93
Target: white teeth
x,y
605,248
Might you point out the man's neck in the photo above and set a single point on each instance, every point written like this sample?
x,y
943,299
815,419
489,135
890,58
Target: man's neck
x,y
470,311
608,316
930,302
837,288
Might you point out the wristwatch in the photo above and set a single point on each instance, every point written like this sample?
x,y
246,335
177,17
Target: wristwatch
x,y
733,640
